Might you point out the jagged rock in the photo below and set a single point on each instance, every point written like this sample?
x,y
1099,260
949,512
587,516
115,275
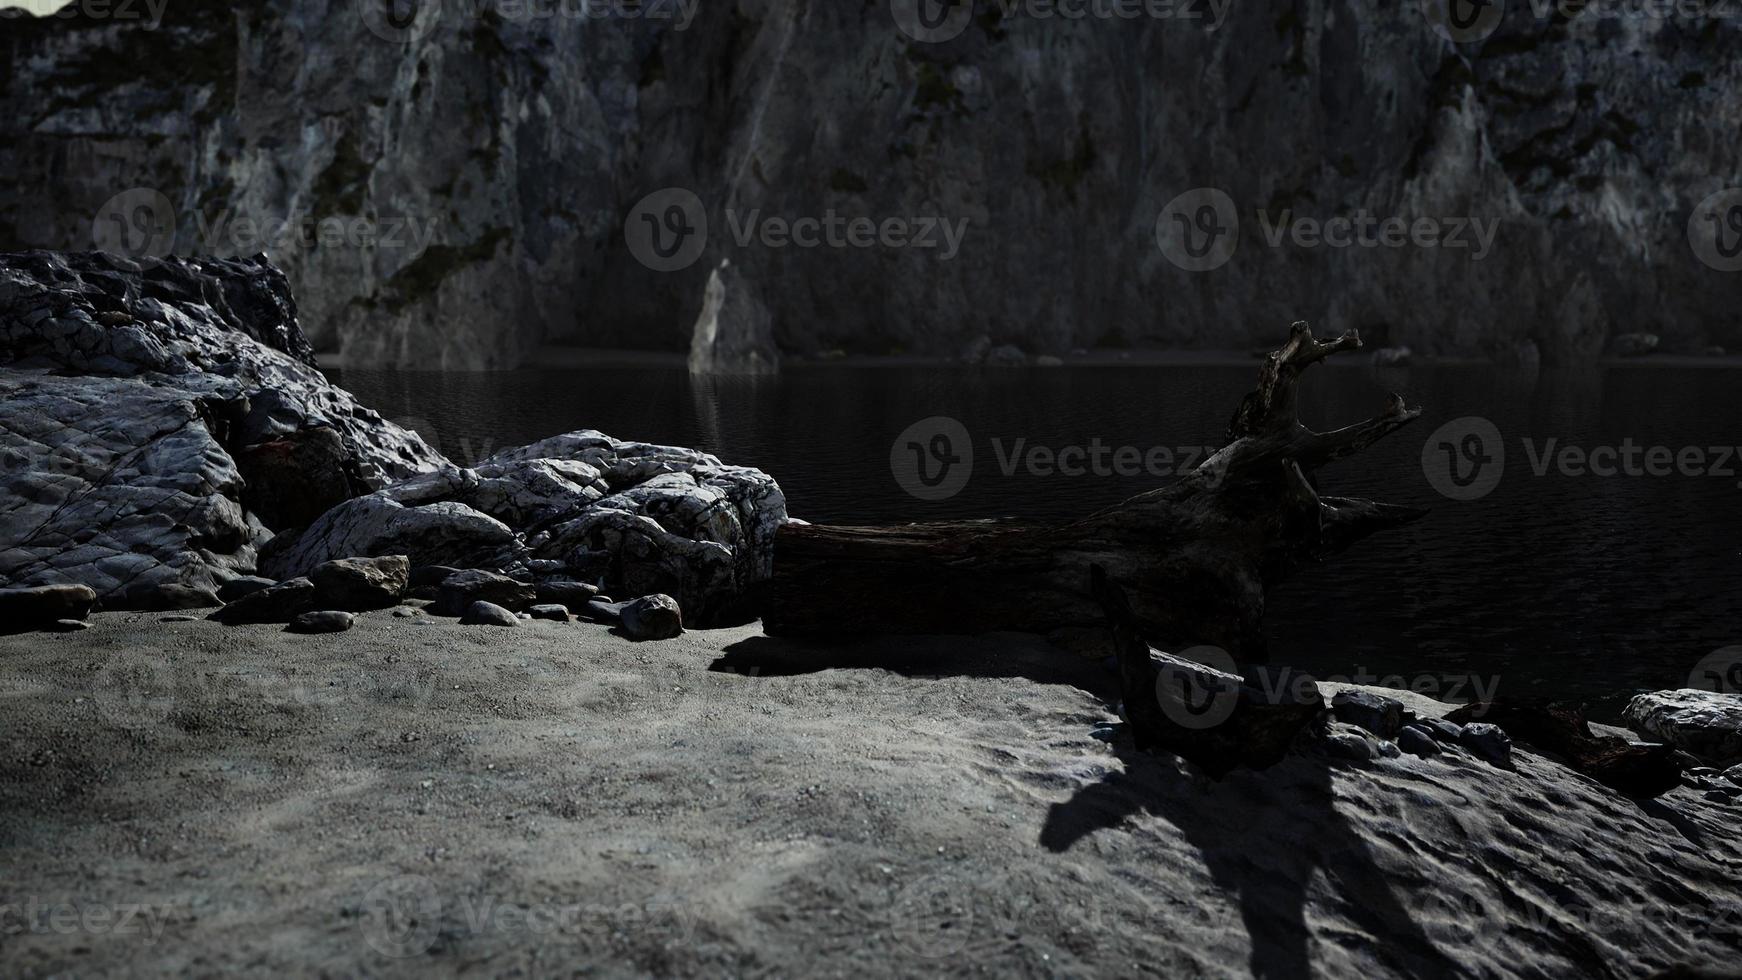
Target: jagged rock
x,y
297,477
278,604
734,333
437,533
324,621
1635,344
361,584
243,585
459,591
125,392
23,609
488,614
1487,742
652,617
1380,715
1706,724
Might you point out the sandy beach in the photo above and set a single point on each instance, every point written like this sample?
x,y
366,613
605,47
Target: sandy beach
x,y
182,798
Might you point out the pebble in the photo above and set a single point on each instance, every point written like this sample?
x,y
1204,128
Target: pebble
x,y
322,621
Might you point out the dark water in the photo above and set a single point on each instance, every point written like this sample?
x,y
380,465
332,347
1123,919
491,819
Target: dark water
x,y
1591,585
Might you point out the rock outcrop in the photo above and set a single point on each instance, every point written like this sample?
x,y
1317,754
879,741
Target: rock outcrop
x,y
734,333
477,166
161,420
1706,724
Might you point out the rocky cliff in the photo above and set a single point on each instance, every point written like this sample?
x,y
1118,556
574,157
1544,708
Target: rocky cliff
x,y
452,184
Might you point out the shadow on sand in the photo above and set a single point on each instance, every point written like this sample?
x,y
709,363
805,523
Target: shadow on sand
x,y
1262,836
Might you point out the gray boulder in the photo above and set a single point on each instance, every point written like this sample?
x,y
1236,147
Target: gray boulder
x,y
279,604
361,584
460,591
735,332
653,617
1487,742
1418,741
1380,715
488,614
562,592
243,585
22,609
553,612
324,621
1706,724
438,533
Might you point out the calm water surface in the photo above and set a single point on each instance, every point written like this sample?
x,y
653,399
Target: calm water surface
x,y
1555,583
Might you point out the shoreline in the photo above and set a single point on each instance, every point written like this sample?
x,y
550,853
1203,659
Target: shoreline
x,y
562,357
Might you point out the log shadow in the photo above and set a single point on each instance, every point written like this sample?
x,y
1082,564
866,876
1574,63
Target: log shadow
x,y
992,655
1262,836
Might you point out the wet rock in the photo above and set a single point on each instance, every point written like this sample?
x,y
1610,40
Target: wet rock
x,y
1417,741
734,333
458,592
1487,742
653,617
1707,724
488,614
556,613
28,608
243,585
361,584
279,604
1380,715
323,621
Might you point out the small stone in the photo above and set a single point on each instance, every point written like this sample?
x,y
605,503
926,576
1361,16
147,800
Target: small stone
x,y
323,621
653,617
246,585
1734,774
67,626
1389,750
361,584
554,612
1380,715
1487,742
483,613
1417,741
179,618
405,612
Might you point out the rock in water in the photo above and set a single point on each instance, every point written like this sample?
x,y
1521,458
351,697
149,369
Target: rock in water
x,y
488,614
1706,724
652,617
24,609
279,604
460,591
325,621
361,584
1380,715
735,332
1635,344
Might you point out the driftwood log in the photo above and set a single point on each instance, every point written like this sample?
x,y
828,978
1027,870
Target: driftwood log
x,y
1196,554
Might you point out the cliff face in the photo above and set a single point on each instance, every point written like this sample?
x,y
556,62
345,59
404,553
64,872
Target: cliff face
x,y
497,160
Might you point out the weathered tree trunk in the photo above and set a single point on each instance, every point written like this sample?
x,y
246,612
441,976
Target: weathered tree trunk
x,y
1196,554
